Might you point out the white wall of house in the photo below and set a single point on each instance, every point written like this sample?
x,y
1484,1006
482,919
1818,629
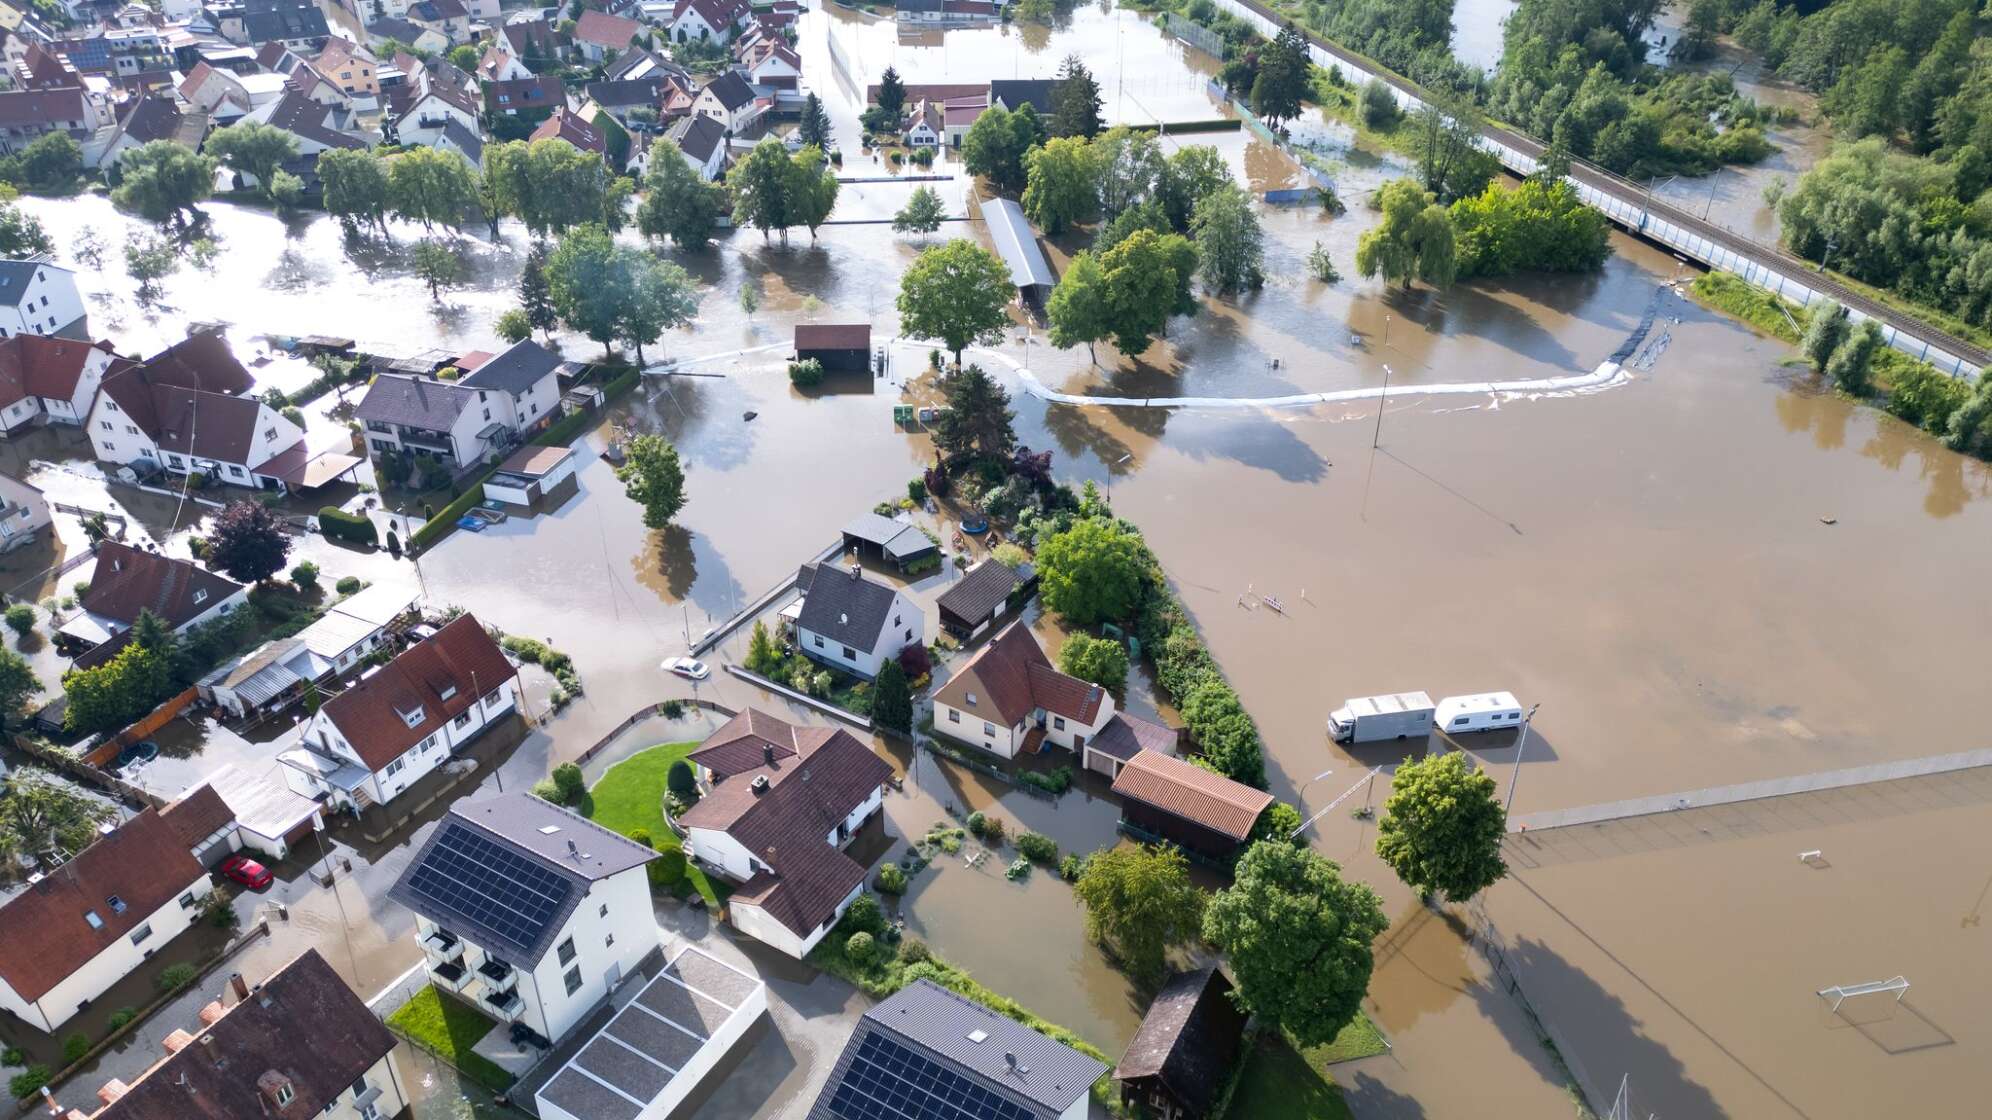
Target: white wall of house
x,y
722,852
73,410
49,303
24,513
612,929
906,625
1070,733
423,123
980,731
324,736
115,439
762,926
111,965
375,1095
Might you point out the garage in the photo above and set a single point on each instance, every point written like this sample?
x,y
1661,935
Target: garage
x,y
840,347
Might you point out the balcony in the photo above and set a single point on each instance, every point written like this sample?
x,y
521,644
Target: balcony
x,y
427,441
442,946
506,1005
449,975
497,975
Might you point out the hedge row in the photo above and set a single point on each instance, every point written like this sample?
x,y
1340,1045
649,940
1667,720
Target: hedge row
x,y
337,524
446,518
1185,670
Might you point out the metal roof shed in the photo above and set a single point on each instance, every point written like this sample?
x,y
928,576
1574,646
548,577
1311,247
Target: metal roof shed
x,y
892,540
1016,243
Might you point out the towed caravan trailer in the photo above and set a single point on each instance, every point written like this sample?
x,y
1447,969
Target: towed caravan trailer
x,y
1483,711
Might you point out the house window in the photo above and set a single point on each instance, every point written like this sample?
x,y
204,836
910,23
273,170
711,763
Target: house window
x,y
1058,723
117,904
395,767
567,952
359,1088
909,635
954,716
173,459
110,447
609,942
989,729
850,654
818,639
270,433
187,901
132,428
461,721
235,470
284,1094
141,933
573,979
200,595
604,911
91,917
107,425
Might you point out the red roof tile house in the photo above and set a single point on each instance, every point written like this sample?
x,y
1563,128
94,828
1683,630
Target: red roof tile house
x,y
566,124
128,581
781,803
180,411
369,744
597,34
1008,699
299,1044
51,379
77,930
1187,805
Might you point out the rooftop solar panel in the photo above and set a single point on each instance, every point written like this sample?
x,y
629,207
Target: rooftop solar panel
x,y
887,1081
496,888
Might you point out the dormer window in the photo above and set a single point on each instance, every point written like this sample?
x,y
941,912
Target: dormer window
x,y
971,699
447,691
200,595
412,718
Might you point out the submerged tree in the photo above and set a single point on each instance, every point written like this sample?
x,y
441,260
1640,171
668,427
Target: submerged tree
x,y
958,293
1442,827
1414,241
653,478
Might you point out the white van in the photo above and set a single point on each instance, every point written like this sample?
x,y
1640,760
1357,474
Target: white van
x,y
1484,711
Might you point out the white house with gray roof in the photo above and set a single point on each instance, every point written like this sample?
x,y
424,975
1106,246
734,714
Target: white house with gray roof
x,y
532,913
528,376
852,622
37,297
474,418
928,1052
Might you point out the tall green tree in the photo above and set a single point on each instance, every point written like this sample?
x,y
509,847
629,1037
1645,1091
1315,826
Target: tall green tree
x,y
653,478
109,696
1147,280
437,265
1129,165
1442,827
536,295
922,213
815,124
247,542
21,233
957,292
40,817
431,186
1075,100
1078,307
590,288
355,183
164,182
677,203
1450,159
552,186
1414,241
1188,175
17,687
1825,329
996,144
253,149
1062,184
1103,661
1098,570
1140,902
892,93
763,184
977,420
1851,366
662,297
51,162
1283,77
1230,246
812,189
892,701
1540,225
1298,938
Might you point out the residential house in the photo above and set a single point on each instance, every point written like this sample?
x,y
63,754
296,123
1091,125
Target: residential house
x,y
925,124
597,34
1012,94
267,818
26,115
294,23
958,116
127,582
852,622
369,744
780,806
1204,813
500,65
926,1051
24,513
770,63
448,18
203,823
526,377
703,141
82,927
637,65
731,101
1008,700
978,600
353,67
536,42
1123,737
466,421
48,379
839,347
708,19
530,97
1185,1050
889,539
406,33
299,1044
618,98
533,913
566,124
147,118
435,112
226,96
161,414
317,127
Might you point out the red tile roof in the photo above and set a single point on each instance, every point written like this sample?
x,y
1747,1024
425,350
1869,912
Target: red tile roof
x,y
833,336
34,365
1011,677
742,743
143,864
565,124
603,29
1189,791
128,580
460,660
198,815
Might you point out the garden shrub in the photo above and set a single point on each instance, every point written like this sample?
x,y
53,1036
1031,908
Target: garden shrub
x,y
891,880
21,619
545,790
680,780
1053,782
28,1082
668,869
977,822
176,976
860,947
1037,847
912,950
121,1018
337,524
568,782
305,575
864,916
1070,867
806,374
74,1047
13,1056
347,585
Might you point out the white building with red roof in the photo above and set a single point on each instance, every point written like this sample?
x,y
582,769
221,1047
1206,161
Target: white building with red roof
x,y
1008,699
48,379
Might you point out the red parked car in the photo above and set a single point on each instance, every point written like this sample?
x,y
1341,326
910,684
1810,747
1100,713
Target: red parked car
x,y
247,872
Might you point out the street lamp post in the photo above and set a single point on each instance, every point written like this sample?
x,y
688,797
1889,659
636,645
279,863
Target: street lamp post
x,y
1520,745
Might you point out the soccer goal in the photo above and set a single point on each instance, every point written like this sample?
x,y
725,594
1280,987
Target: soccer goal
x,y
1840,993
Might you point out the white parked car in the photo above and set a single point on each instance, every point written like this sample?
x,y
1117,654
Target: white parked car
x,y
688,668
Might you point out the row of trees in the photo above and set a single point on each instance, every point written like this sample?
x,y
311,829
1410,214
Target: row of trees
x,y
1540,225
774,190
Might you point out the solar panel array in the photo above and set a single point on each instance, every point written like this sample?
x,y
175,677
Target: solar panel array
x,y
491,886
886,1081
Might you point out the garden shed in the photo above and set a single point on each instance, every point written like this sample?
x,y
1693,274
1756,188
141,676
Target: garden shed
x,y
883,538
840,347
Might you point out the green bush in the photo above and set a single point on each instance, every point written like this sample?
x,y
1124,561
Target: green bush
x,y
669,869
680,780
568,782
305,575
121,1018
1070,867
174,977
13,1056
21,619
545,790
74,1047
446,518
912,950
806,374
337,524
28,1082
860,947
916,489
977,822
864,916
992,830
347,585
891,880
1037,847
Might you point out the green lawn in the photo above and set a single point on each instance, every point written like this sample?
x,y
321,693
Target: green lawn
x,y
450,1029
1360,1039
630,796
1279,1084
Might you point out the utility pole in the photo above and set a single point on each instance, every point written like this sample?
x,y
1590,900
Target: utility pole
x,y
1520,745
1375,437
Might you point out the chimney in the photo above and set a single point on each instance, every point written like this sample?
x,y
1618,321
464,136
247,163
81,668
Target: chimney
x,y
212,1013
112,1090
1010,1061
760,784
240,985
857,572
768,753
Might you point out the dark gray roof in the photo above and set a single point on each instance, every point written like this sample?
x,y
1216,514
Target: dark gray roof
x,y
1125,736
843,606
732,89
974,596
899,539
419,402
936,1024
466,141
264,20
1189,1038
516,370
698,137
1017,92
393,27
15,277
491,873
